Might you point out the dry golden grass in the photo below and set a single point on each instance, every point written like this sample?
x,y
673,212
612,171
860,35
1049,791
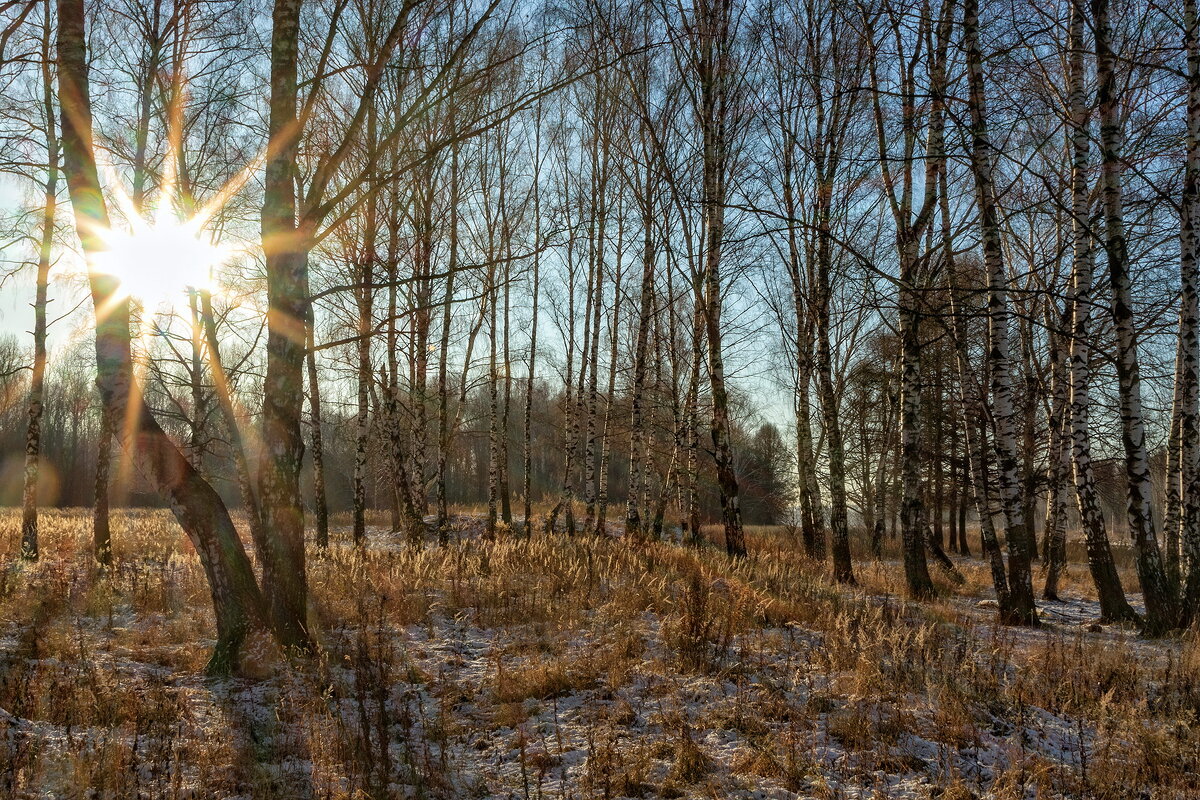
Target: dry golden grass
x,y
570,667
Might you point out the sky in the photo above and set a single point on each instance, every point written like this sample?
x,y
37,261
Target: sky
x,y
17,291
747,368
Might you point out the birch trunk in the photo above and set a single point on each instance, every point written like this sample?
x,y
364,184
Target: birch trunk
x,y
812,518
421,316
843,570
692,420
958,479
916,568
101,531
392,340
610,389
1173,513
911,225
443,516
880,490
566,501
633,520
1020,608
364,295
583,419
590,480
320,504
1162,607
713,32
527,471
493,411
387,409
1189,320
1059,455
972,406
974,424
199,411
506,399
1113,606
37,380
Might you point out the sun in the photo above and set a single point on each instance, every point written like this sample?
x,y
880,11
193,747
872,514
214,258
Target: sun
x,y
167,248
157,261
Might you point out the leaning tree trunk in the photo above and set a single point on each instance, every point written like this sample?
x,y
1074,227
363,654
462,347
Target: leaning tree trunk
x,y
1020,609
812,533
973,479
974,419
727,483
387,410
1162,607
974,427
198,508
610,389
237,444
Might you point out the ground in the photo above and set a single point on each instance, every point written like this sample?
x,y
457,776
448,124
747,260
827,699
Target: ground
x,y
583,667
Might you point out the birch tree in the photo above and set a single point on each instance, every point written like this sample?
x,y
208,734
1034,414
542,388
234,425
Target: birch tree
x,y
1113,606
1162,608
1017,604
37,378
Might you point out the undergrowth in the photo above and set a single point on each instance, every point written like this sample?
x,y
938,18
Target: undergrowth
x,y
570,667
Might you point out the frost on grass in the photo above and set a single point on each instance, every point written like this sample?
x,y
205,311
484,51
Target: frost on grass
x,y
572,668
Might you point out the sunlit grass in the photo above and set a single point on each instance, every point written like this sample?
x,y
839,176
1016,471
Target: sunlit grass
x,y
493,668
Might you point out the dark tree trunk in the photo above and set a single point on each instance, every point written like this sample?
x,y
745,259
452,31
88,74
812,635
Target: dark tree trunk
x,y
285,248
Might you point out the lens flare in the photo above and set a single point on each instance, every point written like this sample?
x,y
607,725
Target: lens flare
x,y
157,261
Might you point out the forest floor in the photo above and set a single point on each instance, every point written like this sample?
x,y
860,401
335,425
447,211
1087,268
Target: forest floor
x,y
582,667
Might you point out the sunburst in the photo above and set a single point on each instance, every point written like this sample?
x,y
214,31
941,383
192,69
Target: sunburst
x,y
161,253
157,262
164,254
